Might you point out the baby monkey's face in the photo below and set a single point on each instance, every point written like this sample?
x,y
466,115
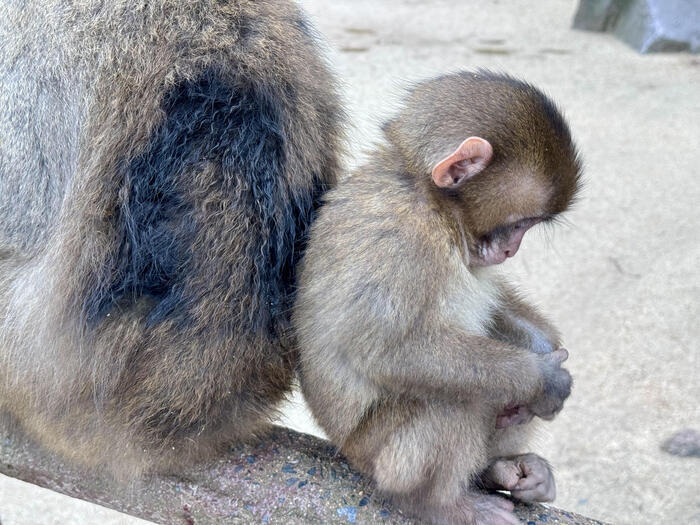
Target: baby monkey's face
x,y
500,243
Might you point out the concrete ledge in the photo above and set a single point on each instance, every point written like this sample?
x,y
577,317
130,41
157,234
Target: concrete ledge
x,y
289,478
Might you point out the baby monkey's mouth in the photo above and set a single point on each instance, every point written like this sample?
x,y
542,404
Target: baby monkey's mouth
x,y
501,243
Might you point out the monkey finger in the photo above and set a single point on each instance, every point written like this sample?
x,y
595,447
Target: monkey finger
x,y
560,355
543,492
528,483
529,496
549,416
532,466
502,474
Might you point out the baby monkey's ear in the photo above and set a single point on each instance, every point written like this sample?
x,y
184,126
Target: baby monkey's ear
x,y
471,157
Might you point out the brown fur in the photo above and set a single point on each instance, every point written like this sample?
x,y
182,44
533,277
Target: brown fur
x,y
140,328
408,352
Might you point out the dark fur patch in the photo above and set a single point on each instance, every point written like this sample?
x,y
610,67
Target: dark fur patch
x,y
237,127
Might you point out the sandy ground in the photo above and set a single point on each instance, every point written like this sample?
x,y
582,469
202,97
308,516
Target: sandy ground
x,y
620,279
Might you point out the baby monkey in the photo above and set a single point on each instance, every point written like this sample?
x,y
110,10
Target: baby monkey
x,y
421,363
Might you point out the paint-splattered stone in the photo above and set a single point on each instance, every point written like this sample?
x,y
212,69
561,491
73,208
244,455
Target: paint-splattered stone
x,y
289,478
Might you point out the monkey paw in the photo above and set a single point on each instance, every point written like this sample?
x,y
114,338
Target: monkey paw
x,y
528,477
557,385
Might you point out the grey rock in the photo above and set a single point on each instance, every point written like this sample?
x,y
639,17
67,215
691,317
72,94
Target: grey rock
x,y
647,25
685,443
598,15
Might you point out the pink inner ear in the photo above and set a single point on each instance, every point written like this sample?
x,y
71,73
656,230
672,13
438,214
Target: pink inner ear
x,y
472,156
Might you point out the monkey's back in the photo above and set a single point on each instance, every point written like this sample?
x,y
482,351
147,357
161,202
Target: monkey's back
x,y
160,163
353,295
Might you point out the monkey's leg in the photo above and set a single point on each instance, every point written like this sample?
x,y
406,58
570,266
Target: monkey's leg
x,y
528,477
424,456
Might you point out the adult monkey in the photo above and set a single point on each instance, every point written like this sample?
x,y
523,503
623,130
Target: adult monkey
x,y
160,162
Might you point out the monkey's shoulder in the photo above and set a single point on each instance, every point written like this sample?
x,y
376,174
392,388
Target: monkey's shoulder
x,y
371,220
